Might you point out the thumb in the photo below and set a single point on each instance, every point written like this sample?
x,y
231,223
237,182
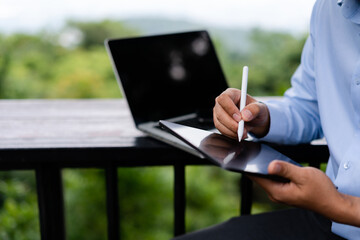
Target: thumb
x,y
250,111
284,169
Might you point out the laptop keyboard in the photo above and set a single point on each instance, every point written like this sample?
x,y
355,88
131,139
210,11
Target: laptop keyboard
x,y
198,123
205,124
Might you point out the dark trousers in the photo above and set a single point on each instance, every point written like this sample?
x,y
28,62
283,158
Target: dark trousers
x,y
286,224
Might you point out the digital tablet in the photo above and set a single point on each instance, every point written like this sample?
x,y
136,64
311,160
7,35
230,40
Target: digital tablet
x,y
248,157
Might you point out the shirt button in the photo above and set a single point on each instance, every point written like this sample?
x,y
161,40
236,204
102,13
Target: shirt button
x,y
357,82
347,165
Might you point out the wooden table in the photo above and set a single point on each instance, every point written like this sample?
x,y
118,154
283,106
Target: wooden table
x,y
49,135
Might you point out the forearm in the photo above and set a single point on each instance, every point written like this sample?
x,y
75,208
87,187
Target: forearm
x,y
336,206
345,210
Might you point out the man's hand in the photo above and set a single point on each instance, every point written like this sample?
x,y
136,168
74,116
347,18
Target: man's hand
x,y
311,189
227,115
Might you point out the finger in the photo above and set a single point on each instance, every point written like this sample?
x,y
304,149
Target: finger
x,y
248,128
273,199
234,94
272,188
224,118
265,183
223,129
229,101
286,170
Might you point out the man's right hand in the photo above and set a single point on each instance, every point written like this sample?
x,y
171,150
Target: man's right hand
x,y
227,115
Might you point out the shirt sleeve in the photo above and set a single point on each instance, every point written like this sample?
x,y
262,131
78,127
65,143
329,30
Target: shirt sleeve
x,y
295,119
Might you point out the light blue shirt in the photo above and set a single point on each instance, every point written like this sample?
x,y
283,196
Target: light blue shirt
x,y
324,99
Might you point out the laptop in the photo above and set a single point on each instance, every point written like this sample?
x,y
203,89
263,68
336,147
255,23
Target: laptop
x,y
175,77
252,158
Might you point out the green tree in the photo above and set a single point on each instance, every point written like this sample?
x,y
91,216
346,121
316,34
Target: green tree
x,y
18,206
275,57
94,33
29,65
272,59
4,64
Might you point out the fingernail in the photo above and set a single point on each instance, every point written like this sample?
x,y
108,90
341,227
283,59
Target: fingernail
x,y
247,115
277,168
236,117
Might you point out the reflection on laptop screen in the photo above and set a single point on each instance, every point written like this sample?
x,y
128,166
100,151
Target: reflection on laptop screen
x,y
168,75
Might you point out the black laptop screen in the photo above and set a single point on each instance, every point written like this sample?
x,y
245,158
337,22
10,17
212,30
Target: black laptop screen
x,y
166,76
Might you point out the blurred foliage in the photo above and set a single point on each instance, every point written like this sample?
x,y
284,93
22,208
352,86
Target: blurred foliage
x,y
73,64
18,206
85,204
212,196
94,33
272,59
152,203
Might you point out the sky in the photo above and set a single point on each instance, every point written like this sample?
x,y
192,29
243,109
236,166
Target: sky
x,y
34,15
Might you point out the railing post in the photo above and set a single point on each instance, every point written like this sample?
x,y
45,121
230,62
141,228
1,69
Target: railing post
x,y
50,202
179,199
246,186
112,203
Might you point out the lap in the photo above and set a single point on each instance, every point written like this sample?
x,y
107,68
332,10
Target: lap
x,y
285,224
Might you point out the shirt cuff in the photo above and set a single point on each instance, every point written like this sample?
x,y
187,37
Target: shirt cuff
x,y
278,124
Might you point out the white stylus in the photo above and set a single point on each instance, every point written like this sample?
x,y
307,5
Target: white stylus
x,y
244,82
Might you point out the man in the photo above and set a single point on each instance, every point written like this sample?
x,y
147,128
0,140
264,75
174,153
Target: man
x,y
324,100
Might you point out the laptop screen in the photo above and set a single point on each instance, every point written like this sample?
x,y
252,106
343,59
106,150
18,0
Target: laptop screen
x,y
166,76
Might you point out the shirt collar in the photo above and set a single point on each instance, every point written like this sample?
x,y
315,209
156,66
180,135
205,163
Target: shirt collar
x,y
350,9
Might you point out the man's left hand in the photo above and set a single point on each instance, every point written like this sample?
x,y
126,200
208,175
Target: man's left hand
x,y
308,188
